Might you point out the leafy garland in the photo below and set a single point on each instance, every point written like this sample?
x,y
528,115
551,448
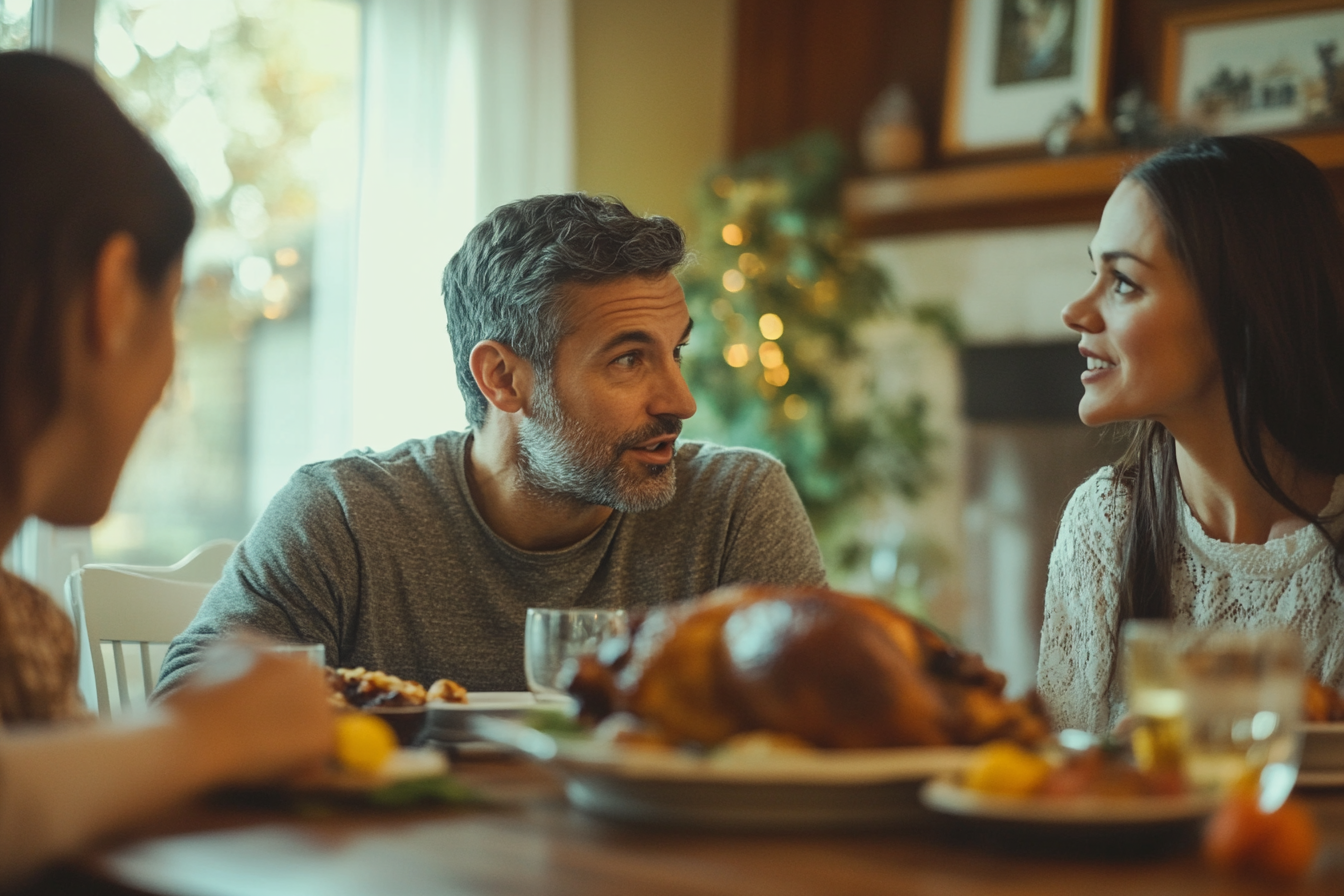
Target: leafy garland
x,y
779,295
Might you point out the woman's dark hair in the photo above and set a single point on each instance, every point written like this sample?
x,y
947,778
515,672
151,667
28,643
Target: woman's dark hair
x,y
73,172
1255,227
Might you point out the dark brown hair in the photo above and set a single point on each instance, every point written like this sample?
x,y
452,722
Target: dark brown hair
x,y
1255,227
74,171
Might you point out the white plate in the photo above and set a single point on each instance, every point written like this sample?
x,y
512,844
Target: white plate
x,y
451,722
944,794
746,789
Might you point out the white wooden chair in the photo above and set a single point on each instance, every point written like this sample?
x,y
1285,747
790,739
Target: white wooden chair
x,y
115,604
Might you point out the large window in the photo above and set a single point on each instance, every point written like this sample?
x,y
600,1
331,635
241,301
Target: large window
x,y
16,20
338,151
254,102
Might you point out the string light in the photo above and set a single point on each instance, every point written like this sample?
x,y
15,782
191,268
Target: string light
x,y
771,356
737,354
795,407
732,234
722,309
825,293
733,281
771,326
777,376
751,264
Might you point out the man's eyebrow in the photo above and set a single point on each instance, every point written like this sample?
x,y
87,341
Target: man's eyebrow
x,y
640,337
1119,253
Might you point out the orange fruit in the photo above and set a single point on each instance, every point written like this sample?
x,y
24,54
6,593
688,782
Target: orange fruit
x,y
1235,832
1290,844
1240,837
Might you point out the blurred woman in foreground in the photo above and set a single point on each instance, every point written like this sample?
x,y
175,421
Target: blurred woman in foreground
x,y
92,228
1215,322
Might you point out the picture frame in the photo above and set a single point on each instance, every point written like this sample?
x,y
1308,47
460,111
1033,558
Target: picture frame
x,y
1016,68
1259,67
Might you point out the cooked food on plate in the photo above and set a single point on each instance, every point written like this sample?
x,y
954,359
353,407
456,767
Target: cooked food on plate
x,y
363,689
1323,703
1006,769
829,669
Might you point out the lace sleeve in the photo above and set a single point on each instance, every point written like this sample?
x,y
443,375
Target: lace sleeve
x,y
1077,636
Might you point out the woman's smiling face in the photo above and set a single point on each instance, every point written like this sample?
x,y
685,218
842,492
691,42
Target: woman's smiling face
x,y
1150,353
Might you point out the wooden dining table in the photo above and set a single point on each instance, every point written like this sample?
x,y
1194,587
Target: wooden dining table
x,y
528,840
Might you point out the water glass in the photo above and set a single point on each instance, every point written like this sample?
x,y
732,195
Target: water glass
x,y
1243,709
1154,696
314,653
554,637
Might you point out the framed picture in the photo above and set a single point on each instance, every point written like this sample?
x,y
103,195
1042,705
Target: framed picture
x,y
1015,67
1246,67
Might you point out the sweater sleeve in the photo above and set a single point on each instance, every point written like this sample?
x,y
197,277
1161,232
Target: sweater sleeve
x,y
1074,676
773,542
295,577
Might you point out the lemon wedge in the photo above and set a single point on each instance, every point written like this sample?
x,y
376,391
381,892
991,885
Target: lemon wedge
x,y
1005,768
363,742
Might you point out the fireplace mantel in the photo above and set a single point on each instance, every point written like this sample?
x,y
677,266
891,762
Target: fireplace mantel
x,y
1020,193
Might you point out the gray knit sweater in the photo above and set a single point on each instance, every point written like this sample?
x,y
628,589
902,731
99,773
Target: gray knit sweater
x,y
384,558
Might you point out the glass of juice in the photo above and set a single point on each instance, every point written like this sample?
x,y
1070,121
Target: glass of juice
x,y
1154,697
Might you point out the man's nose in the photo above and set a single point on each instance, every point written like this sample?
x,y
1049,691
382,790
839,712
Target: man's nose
x,y
674,398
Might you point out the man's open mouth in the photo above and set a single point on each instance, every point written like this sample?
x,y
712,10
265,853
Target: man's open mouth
x,y
655,451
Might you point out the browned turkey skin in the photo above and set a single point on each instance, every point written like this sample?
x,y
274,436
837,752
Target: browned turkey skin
x,y
831,669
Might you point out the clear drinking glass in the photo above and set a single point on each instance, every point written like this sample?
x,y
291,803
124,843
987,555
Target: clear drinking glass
x,y
553,637
1154,696
314,653
1243,709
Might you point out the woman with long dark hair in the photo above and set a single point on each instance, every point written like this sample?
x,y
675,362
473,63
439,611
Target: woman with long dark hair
x,y
1215,322
92,228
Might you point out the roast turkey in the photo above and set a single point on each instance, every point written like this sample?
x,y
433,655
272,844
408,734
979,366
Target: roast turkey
x,y
828,668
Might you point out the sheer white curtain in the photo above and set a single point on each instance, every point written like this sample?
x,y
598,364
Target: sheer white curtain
x,y
467,105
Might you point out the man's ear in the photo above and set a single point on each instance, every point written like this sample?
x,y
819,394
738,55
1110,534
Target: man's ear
x,y
503,378
114,295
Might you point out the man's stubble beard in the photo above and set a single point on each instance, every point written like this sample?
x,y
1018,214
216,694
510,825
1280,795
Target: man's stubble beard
x,y
561,459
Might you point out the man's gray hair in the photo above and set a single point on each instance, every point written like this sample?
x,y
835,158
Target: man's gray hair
x,y
508,280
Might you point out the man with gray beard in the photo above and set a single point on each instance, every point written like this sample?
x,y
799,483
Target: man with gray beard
x,y
569,489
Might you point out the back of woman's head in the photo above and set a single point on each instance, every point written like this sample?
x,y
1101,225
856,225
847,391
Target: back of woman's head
x,y
73,172
1255,226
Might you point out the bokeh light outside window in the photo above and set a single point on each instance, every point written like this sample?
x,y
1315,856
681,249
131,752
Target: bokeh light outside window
x,y
255,104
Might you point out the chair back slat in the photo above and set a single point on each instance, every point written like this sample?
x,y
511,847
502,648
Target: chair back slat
x,y
148,674
140,605
123,687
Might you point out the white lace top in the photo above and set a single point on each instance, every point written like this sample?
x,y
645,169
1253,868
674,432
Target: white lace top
x,y
1287,582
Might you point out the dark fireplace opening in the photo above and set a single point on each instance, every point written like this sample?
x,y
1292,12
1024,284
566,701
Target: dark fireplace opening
x,y
1026,453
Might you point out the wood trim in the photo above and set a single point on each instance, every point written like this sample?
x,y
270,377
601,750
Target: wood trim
x,y
952,144
1024,193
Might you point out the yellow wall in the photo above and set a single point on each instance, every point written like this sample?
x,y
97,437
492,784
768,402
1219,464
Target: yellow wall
x,y
651,83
